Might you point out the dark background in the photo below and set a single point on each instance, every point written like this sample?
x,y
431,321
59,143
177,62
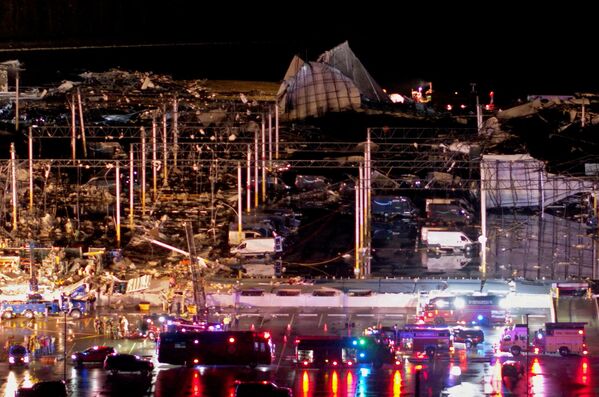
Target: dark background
x,y
515,51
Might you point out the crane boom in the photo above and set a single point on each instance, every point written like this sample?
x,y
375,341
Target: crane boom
x,y
196,266
197,275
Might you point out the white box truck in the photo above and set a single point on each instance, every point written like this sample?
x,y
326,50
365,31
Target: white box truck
x,y
265,247
445,239
234,237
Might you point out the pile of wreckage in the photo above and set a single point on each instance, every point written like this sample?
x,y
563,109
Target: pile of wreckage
x,y
205,133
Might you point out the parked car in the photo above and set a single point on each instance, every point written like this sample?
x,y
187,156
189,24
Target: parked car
x,y
54,388
262,389
118,362
95,354
18,355
305,183
468,336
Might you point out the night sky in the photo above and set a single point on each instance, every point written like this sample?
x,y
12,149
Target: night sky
x,y
504,48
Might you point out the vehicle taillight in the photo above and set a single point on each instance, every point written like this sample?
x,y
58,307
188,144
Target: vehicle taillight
x,y
580,332
585,352
349,363
195,361
231,340
305,363
335,363
267,335
397,362
536,350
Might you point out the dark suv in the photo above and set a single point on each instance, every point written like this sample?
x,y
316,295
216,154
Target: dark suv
x,y
468,336
116,363
54,388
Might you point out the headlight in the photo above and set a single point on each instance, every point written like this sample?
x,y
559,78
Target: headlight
x,y
459,303
73,357
26,359
11,360
455,371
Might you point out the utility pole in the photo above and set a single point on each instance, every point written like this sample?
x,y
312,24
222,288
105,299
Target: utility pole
x,y
17,98
118,205
131,189
13,166
65,310
30,146
483,222
142,169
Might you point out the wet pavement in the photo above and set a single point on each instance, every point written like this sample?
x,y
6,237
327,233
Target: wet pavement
x,y
478,374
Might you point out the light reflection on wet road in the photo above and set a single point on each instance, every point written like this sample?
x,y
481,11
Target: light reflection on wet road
x,y
480,373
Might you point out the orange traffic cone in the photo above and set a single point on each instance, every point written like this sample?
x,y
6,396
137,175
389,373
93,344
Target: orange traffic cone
x,y
326,328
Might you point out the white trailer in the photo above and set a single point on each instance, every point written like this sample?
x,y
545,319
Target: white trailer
x,y
265,247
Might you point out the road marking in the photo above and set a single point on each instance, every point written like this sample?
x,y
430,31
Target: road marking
x,y
364,315
336,315
132,347
308,314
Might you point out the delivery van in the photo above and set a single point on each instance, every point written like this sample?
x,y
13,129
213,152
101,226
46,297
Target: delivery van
x,y
445,239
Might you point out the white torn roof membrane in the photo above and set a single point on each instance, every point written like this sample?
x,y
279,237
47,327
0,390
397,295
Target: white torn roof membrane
x,y
336,82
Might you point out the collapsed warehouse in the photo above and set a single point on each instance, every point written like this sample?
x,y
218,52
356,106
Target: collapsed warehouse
x,y
121,160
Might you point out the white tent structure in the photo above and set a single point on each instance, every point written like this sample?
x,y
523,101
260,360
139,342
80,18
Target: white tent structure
x,y
519,180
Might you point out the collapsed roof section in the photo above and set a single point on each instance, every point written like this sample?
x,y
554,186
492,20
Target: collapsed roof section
x,y
317,89
336,82
344,59
519,180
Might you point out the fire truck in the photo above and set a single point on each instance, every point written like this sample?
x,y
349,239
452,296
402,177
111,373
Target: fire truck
x,y
418,342
562,338
465,310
